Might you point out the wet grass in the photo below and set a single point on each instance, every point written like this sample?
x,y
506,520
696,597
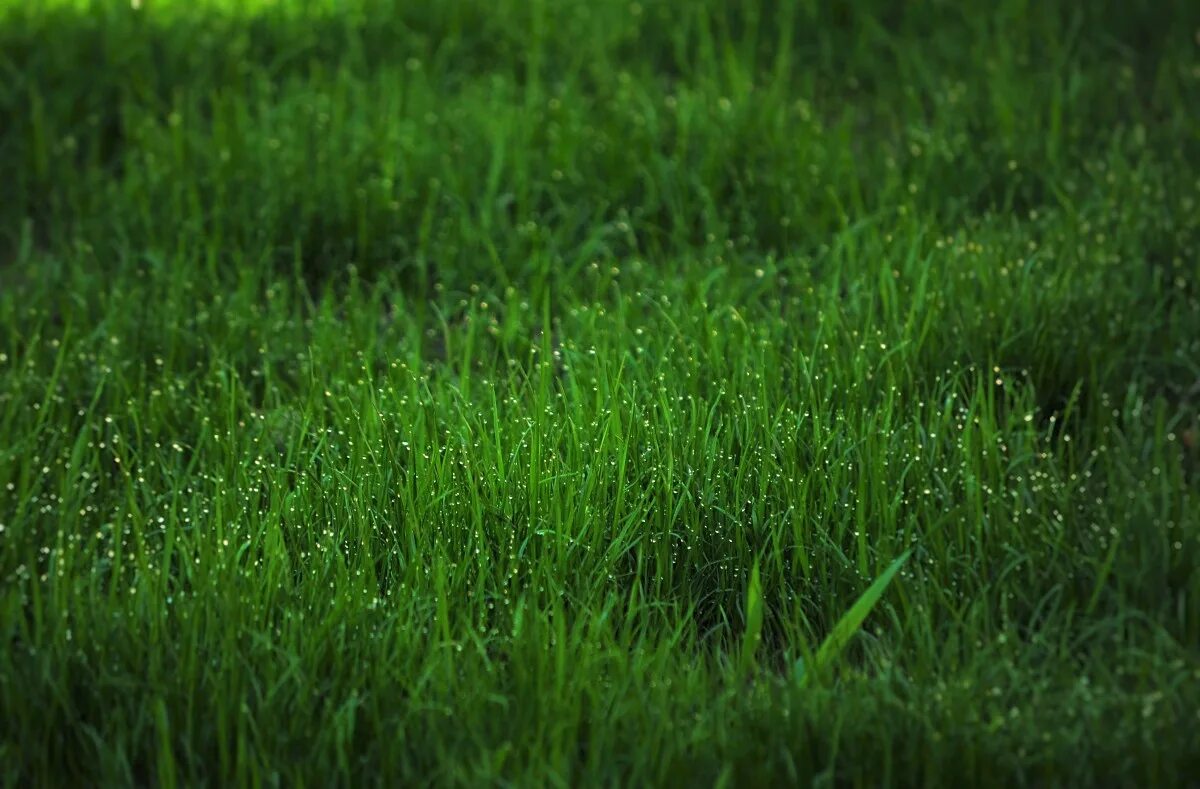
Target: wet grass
x,y
599,392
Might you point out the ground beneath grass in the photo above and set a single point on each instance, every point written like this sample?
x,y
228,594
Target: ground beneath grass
x,y
588,392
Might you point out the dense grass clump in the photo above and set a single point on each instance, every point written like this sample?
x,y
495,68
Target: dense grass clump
x,y
590,392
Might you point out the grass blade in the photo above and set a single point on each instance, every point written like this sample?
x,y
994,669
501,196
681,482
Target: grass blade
x,y
850,623
754,618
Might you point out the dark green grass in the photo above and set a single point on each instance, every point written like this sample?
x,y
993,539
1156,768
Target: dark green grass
x,y
522,392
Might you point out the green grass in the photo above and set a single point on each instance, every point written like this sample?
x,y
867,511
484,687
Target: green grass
x,y
549,393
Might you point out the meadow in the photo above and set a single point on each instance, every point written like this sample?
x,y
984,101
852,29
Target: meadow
x,y
592,392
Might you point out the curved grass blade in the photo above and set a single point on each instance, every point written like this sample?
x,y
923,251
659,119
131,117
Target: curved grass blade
x,y
849,624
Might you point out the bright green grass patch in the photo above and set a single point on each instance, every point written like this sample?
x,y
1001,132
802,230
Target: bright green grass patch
x,y
525,392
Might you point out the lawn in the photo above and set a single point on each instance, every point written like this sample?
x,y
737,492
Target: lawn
x,y
592,392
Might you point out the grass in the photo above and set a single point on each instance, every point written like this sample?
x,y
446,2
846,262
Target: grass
x,y
598,392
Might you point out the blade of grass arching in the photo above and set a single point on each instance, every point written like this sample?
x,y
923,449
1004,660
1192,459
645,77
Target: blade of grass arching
x,y
850,622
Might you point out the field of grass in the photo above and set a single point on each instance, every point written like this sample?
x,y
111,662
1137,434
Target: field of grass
x,y
580,392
